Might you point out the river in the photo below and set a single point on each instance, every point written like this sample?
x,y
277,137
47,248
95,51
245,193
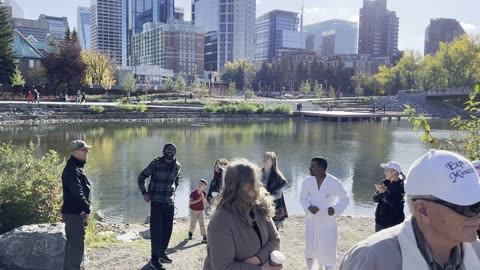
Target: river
x,y
121,150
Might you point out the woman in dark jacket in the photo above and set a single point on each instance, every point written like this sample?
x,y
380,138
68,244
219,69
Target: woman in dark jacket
x,y
390,197
216,183
274,181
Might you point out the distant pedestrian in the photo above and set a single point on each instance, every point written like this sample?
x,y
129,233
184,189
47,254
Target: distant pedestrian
x,y
84,98
78,97
389,196
198,201
164,173
76,204
36,96
29,97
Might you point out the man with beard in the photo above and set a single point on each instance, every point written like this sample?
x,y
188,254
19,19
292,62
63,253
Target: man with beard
x,y
164,173
324,199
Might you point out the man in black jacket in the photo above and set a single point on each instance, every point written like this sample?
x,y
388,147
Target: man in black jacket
x,y
164,173
76,204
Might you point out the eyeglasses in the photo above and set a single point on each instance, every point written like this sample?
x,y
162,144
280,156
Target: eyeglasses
x,y
467,211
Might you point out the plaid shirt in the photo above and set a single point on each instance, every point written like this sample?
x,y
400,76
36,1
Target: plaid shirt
x,y
163,179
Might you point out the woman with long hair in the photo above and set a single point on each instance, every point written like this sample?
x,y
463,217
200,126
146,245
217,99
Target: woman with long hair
x,y
241,233
390,197
274,181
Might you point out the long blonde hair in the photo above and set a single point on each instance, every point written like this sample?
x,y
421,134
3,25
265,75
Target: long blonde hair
x,y
233,198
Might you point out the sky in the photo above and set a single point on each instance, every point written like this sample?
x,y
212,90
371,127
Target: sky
x,y
414,15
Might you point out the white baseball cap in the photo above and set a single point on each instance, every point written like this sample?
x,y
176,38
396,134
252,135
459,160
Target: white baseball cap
x,y
476,164
392,165
445,175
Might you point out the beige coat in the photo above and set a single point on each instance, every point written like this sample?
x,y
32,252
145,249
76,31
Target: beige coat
x,y
231,241
383,251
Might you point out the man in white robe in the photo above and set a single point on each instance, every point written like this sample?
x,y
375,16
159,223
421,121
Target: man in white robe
x,y
324,199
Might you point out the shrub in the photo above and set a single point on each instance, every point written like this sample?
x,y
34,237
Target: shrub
x,y
141,108
30,187
282,108
246,108
125,107
96,109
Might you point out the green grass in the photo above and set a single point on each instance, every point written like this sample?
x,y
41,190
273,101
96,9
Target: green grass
x,y
247,108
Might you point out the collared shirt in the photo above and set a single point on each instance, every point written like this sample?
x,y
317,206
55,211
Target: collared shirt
x,y
454,261
163,180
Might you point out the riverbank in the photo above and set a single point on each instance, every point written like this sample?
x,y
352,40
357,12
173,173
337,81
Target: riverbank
x,y
191,254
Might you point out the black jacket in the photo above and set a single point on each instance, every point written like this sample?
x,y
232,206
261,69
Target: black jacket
x,y
390,204
76,188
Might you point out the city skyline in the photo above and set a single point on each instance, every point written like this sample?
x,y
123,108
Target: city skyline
x,y
414,15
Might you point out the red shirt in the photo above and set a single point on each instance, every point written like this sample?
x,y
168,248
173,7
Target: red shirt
x,y
195,196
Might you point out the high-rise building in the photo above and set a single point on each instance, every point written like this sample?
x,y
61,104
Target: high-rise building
x,y
346,33
106,28
441,30
328,43
38,29
83,27
378,32
179,14
275,30
175,46
13,8
234,20
56,25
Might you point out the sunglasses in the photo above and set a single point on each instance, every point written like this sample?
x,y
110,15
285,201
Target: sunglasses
x,y
467,211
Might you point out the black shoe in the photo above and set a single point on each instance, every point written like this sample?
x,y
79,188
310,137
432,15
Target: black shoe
x,y
156,265
204,241
165,259
190,236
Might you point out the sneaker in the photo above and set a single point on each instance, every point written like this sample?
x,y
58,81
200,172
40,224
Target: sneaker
x,y
190,236
156,265
165,259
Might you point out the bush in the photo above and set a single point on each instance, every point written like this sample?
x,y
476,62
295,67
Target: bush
x,y
141,108
96,109
126,107
282,108
247,108
30,187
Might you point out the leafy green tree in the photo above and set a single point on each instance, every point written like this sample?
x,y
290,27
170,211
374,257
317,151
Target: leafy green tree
x,y
248,91
99,69
129,84
17,77
318,88
7,56
332,92
305,87
241,72
232,89
180,85
169,84
407,68
431,74
201,89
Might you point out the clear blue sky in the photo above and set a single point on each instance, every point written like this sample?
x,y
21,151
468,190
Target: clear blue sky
x,y
414,14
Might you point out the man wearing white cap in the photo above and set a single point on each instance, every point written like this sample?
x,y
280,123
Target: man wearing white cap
x,y
76,204
476,164
443,195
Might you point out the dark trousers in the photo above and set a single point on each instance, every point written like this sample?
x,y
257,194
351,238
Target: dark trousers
x,y
75,246
378,227
161,225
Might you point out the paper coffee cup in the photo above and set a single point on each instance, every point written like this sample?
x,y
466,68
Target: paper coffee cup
x,y
277,258
214,194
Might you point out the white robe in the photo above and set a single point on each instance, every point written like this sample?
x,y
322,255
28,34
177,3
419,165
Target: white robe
x,y
321,229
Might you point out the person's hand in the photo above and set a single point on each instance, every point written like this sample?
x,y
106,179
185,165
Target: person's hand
x,y
253,260
381,188
267,266
146,197
84,216
331,211
313,209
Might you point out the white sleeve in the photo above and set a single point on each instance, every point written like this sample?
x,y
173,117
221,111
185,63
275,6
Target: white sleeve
x,y
343,199
305,196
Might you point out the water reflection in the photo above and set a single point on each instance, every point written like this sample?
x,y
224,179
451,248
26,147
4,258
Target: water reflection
x,y
122,150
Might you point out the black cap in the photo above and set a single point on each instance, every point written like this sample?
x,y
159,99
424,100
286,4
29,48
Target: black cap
x,y
169,144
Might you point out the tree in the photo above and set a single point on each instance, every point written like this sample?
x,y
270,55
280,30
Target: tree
x,y
180,86
241,72
169,84
318,88
7,56
129,84
332,92
99,69
305,87
201,89
17,78
248,92
36,76
232,89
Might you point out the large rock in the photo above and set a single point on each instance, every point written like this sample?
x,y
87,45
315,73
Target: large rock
x,y
39,246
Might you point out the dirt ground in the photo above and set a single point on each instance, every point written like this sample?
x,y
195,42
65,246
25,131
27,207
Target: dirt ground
x,y
190,255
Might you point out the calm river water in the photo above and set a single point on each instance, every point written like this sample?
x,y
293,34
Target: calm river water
x,y
121,150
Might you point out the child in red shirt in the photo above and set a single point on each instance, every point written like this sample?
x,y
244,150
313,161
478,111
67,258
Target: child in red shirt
x,y
198,201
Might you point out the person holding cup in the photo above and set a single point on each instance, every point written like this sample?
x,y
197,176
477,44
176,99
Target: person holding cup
x,y
216,183
241,234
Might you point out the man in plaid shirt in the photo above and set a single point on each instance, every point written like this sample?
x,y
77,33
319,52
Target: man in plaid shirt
x,y
164,173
